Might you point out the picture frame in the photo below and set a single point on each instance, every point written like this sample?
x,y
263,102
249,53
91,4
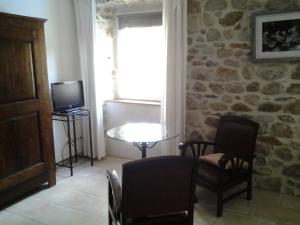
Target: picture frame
x,y
276,36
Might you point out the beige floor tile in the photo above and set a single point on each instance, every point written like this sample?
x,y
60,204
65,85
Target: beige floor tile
x,y
81,165
48,213
261,197
7,218
277,214
100,220
48,193
204,214
78,200
239,205
205,197
234,219
291,202
96,185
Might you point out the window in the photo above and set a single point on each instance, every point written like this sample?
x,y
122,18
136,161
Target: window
x,y
139,50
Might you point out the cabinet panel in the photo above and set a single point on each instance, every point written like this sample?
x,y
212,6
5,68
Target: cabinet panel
x,y
8,159
27,140
23,76
16,71
6,87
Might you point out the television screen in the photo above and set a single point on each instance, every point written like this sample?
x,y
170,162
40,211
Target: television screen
x,y
67,95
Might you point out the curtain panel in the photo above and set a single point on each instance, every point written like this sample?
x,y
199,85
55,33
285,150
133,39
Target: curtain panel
x,y
85,13
174,93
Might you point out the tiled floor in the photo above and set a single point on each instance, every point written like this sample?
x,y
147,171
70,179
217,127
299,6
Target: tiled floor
x,y
82,199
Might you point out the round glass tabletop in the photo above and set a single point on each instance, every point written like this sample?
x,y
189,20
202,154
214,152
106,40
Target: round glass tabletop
x,y
142,132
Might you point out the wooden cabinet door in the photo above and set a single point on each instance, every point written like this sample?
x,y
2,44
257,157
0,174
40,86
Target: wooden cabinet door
x,y
26,148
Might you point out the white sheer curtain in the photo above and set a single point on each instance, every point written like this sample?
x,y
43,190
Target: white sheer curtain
x,y
173,103
85,12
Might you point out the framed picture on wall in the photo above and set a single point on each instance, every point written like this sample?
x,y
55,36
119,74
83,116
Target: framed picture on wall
x,y
276,36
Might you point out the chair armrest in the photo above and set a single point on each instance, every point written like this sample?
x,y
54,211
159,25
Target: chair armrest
x,y
115,188
198,148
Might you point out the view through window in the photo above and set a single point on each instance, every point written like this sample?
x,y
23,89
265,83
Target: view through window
x,y
140,47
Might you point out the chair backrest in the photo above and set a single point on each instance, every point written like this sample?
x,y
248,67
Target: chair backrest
x,y
236,134
158,185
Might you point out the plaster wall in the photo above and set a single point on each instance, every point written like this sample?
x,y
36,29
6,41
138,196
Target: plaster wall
x,y
117,114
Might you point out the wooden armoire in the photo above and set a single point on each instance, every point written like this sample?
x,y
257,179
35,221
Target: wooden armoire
x,y
26,141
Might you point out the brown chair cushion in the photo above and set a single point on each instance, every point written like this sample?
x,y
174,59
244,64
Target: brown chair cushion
x,y
208,169
214,160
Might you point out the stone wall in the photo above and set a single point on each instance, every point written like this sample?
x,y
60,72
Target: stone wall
x,y
222,79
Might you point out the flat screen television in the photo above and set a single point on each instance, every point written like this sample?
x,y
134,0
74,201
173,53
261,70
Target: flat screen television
x,y
67,96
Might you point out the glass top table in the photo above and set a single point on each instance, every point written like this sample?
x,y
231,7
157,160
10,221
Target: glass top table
x,y
142,135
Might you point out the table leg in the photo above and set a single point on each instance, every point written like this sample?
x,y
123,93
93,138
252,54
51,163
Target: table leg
x,y
70,149
75,139
91,143
143,149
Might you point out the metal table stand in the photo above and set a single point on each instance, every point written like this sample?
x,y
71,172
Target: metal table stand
x,y
72,116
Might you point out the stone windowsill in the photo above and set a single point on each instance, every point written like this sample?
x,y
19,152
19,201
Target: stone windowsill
x,y
130,101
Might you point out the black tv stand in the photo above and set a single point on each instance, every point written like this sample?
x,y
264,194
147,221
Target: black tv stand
x,y
72,116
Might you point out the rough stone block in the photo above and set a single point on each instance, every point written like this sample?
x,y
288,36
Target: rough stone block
x,y
215,5
234,87
281,130
231,18
269,140
224,53
269,107
271,72
239,4
284,154
212,121
218,106
281,5
213,34
296,73
261,170
273,88
227,98
232,63
240,107
294,89
292,171
269,183
287,118
293,108
216,88
275,163
251,99
199,87
226,74
194,7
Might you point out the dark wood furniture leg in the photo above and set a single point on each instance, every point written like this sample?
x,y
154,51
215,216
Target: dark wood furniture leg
x,y
249,188
220,203
74,134
144,150
91,143
69,143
